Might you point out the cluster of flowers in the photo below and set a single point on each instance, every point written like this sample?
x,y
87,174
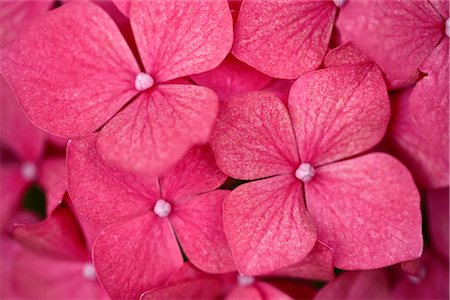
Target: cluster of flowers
x,y
210,149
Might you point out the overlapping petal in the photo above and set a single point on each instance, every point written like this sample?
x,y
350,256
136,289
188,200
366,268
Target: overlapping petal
x,y
53,179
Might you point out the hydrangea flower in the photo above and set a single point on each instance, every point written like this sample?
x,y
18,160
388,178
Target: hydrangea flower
x,y
87,79
312,185
182,202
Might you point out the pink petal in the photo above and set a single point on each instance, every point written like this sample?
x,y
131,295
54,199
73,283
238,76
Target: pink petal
x,y
415,147
253,137
16,131
441,7
317,265
197,172
179,38
157,129
203,288
346,54
59,236
429,100
269,292
338,112
398,35
437,206
17,15
123,6
77,80
198,224
232,77
245,292
53,180
267,225
130,264
280,88
284,39
104,194
367,209
371,284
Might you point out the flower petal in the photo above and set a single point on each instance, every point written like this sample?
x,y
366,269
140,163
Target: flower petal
x,y
123,6
283,39
179,38
156,130
270,292
59,236
367,209
53,179
197,172
198,223
202,288
232,77
267,225
77,80
253,137
12,188
397,35
244,292
338,112
104,194
346,54
437,205
130,264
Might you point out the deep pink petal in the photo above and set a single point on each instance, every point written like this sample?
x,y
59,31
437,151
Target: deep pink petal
x,y
280,88
371,284
317,265
283,39
198,224
429,99
253,137
267,225
123,6
59,236
104,194
136,256
441,7
415,147
53,180
437,204
77,80
180,38
398,35
203,288
244,292
346,54
367,209
270,292
16,131
338,112
17,15
157,129
232,77
197,172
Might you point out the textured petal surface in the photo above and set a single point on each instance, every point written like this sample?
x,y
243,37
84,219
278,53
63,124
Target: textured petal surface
x,y
59,236
398,35
77,80
130,264
202,288
197,172
338,112
53,179
367,209
284,39
157,129
102,193
16,15
437,205
198,224
441,7
232,77
253,137
179,38
16,131
427,162
317,265
267,225
346,54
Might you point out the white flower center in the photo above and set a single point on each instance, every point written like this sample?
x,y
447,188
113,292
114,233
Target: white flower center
x,y
162,208
29,171
339,3
447,27
89,271
143,81
244,280
305,172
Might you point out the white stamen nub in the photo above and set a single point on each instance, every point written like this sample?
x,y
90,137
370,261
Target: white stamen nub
x,y
143,81
339,3
305,172
89,271
162,208
244,280
29,171
447,27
